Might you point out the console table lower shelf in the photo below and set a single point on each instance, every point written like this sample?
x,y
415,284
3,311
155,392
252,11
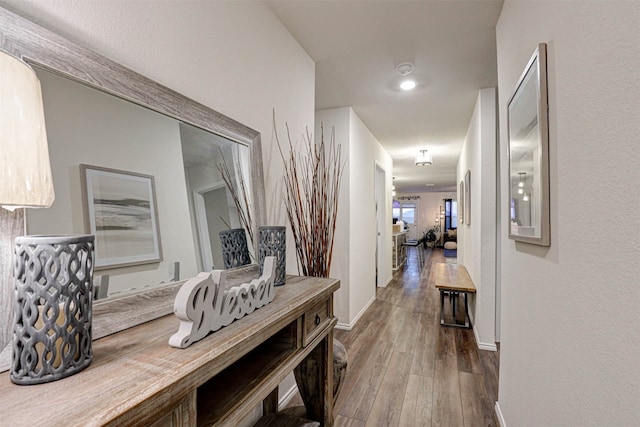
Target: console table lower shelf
x,y
136,378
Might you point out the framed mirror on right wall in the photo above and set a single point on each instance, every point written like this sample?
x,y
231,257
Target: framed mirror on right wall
x,y
528,123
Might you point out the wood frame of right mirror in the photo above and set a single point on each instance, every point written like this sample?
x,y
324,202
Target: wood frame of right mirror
x,y
528,139
46,49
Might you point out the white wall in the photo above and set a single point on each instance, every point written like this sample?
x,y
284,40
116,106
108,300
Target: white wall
x,y
85,126
569,338
477,239
338,120
364,152
235,57
355,241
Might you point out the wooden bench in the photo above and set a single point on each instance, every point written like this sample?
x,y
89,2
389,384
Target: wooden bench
x,y
453,279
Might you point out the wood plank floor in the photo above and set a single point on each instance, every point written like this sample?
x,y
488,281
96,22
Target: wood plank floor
x,y
405,369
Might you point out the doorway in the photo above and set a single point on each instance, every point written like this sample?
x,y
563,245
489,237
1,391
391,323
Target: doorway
x,y
213,214
381,223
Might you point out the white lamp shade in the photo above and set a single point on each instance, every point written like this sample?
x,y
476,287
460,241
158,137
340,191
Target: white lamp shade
x,y
25,171
423,159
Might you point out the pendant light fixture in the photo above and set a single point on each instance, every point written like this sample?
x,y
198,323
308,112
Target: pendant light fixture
x,y
521,182
424,159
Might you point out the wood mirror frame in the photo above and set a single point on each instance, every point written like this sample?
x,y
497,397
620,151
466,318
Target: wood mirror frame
x,y
39,46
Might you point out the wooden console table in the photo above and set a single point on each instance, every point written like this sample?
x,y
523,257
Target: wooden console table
x,y
137,379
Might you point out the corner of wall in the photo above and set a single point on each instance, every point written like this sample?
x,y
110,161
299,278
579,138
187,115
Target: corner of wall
x,y
477,239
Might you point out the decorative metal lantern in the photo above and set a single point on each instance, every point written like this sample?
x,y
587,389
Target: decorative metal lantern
x,y
235,252
272,242
52,325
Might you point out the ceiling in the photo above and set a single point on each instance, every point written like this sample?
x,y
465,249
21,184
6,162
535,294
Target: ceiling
x,y
357,45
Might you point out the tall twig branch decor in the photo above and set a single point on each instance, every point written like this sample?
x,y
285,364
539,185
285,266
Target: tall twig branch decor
x,y
311,188
240,196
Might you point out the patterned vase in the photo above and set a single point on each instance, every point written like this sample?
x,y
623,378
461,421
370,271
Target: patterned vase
x,y
272,242
235,252
52,324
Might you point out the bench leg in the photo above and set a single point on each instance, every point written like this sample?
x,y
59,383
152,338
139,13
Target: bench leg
x,y
452,298
441,307
467,321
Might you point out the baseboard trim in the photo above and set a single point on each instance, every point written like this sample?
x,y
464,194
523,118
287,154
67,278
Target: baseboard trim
x,y
487,346
499,415
484,345
349,326
388,280
282,403
343,326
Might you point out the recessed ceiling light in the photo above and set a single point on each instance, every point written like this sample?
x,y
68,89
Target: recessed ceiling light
x,y
429,185
408,85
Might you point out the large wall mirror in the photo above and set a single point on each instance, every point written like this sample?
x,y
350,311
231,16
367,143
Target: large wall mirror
x,y
528,154
101,114
90,128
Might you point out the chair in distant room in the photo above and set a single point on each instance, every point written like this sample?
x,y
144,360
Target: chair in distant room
x,y
416,244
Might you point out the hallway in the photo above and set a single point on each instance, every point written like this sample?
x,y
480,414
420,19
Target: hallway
x,y
407,370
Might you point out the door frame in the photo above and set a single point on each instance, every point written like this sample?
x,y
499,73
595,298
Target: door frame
x,y
202,225
381,202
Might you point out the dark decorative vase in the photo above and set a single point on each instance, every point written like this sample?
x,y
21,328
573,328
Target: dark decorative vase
x,y
305,373
52,325
235,252
272,242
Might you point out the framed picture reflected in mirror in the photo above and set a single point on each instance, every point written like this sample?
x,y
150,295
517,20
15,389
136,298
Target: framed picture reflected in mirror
x,y
120,210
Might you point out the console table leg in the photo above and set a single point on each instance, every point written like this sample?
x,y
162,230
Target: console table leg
x,y
270,404
314,377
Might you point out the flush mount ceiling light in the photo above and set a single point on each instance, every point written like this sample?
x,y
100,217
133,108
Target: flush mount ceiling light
x,y
404,69
408,85
424,159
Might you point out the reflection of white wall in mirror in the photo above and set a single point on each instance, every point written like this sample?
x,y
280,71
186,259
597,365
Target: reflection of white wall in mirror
x,y
525,170
243,156
534,194
217,211
523,110
203,176
105,131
